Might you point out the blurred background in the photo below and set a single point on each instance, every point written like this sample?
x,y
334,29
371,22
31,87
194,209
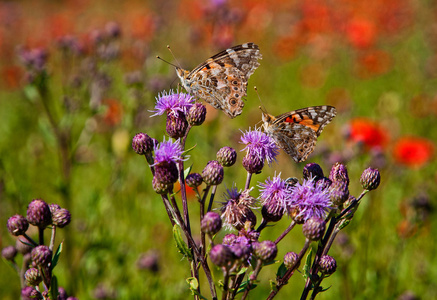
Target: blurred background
x,y
77,81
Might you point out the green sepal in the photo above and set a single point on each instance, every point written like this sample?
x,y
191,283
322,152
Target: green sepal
x,y
194,285
180,243
55,258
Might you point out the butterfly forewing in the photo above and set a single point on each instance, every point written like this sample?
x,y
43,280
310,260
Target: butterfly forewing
x,y
296,132
222,79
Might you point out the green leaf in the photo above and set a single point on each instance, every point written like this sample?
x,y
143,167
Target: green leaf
x,y
281,271
190,149
307,267
244,285
187,171
54,292
273,286
180,243
242,271
55,258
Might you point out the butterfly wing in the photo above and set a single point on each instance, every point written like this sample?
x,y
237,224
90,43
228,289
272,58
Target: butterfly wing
x,y
222,79
296,132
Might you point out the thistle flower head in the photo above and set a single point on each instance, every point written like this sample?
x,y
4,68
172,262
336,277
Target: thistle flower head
x,y
172,103
370,179
260,144
327,265
265,250
309,200
168,151
41,256
276,191
9,252
290,259
339,173
221,255
211,223
213,173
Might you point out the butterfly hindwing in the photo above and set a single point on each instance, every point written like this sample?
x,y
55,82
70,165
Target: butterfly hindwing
x,y
296,132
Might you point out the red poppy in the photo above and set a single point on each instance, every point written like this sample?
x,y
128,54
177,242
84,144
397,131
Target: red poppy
x,y
368,132
373,63
361,33
114,112
413,151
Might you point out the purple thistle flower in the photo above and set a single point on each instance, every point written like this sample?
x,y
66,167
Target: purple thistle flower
x,y
172,103
259,143
275,192
309,200
168,151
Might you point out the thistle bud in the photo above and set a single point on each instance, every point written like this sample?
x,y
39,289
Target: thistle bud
x,y
196,114
30,293
325,182
33,277
211,223
327,265
265,250
213,173
290,259
253,163
312,170
221,255
61,217
9,253
229,239
176,125
142,143
339,173
272,211
38,213
227,156
166,172
41,256
194,180
17,225
370,179
161,188
241,251
339,192
314,228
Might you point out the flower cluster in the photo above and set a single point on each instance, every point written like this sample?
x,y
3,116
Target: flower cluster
x,y
313,202
38,258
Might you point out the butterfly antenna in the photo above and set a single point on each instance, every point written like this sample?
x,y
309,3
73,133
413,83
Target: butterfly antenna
x,y
263,109
169,49
160,58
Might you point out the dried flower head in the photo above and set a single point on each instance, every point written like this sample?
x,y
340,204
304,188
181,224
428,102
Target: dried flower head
x,y
236,210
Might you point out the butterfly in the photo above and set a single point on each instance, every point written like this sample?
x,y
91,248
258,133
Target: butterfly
x,y
296,131
222,79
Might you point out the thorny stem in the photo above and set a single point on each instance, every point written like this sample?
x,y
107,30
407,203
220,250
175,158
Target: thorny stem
x,y
286,231
52,238
327,241
252,278
193,246
225,284
280,282
248,178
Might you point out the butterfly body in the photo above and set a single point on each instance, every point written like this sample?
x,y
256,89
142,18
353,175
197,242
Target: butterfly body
x,y
222,79
296,132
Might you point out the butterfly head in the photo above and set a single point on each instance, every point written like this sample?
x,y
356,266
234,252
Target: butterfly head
x,y
183,75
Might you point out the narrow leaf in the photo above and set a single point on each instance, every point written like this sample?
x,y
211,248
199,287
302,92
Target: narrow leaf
x,y
281,271
187,171
56,256
54,288
307,267
180,243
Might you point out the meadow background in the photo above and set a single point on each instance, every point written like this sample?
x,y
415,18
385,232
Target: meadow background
x,y
65,137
